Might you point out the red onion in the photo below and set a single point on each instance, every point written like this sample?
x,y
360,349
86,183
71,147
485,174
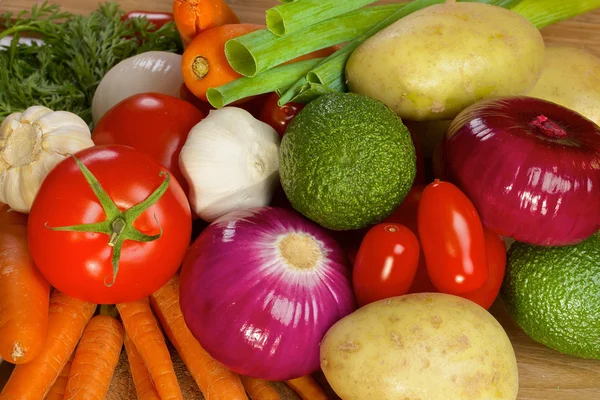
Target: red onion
x,y
530,167
261,287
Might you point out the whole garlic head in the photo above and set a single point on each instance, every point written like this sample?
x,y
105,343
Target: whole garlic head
x,y
231,162
31,144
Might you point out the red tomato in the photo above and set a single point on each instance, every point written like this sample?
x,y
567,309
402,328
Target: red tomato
x,y
496,257
386,263
451,234
278,116
188,96
158,19
155,123
80,263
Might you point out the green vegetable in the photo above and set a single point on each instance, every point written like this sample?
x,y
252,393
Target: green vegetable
x,y
260,50
63,74
546,12
291,17
275,79
553,293
346,161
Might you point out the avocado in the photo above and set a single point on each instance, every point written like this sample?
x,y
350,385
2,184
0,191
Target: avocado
x,y
346,161
553,293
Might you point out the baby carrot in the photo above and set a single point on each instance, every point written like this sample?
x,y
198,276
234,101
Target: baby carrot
x,y
24,300
144,332
214,380
57,391
144,387
95,360
259,389
194,16
307,388
67,318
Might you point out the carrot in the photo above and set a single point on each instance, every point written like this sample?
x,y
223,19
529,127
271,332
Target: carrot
x,y
143,329
95,360
57,391
214,380
67,318
259,389
24,301
144,387
204,64
307,388
194,16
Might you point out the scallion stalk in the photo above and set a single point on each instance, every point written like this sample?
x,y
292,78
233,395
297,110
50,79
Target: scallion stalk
x,y
291,17
258,51
276,79
547,12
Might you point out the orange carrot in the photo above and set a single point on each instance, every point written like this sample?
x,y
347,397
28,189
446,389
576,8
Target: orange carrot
x,y
194,16
67,318
214,380
307,388
57,391
144,387
204,64
95,360
259,389
24,301
143,329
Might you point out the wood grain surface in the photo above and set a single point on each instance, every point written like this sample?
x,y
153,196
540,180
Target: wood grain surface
x,y
544,374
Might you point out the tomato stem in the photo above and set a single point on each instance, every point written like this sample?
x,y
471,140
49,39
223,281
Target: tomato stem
x,y
117,225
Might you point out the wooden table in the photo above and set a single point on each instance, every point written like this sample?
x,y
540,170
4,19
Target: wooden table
x,y
544,374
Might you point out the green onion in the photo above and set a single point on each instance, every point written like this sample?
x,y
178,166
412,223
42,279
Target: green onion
x,y
546,12
310,91
258,51
276,79
291,17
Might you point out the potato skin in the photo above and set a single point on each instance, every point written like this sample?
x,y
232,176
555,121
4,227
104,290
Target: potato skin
x,y
425,346
571,78
435,62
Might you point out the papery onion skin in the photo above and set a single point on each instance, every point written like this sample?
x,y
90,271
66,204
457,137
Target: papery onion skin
x,y
266,325
535,187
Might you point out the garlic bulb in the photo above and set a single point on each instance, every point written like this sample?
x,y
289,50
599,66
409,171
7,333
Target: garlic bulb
x,y
231,162
31,144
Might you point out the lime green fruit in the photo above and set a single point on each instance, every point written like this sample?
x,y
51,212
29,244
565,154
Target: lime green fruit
x,y
346,161
553,293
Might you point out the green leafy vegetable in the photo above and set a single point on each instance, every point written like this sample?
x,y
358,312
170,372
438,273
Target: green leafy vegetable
x,y
64,72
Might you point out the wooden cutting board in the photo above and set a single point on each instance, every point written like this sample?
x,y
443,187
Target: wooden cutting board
x,y
544,374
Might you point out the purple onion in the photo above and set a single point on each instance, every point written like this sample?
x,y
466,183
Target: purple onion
x,y
530,167
261,287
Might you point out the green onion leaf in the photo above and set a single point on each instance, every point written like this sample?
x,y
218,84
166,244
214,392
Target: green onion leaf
x,y
547,12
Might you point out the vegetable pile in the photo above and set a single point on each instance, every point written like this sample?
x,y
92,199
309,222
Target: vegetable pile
x,y
332,192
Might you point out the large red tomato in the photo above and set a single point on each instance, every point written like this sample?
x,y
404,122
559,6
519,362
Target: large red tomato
x,y
155,123
116,200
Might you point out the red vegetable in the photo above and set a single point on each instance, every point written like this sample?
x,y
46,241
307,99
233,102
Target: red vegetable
x,y
278,116
452,238
155,123
140,215
386,263
157,18
530,167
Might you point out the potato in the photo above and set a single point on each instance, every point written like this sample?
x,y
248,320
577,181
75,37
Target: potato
x,y
433,63
426,346
571,78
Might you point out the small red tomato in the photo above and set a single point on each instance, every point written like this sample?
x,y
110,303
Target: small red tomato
x,y
158,19
406,213
496,256
278,116
386,263
451,234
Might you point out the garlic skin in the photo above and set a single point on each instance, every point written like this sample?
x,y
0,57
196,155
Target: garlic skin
x,y
231,162
31,144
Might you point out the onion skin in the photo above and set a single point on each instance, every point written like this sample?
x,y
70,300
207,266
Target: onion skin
x,y
251,311
532,180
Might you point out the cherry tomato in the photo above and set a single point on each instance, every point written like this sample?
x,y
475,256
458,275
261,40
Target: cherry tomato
x,y
278,116
386,263
451,234
157,18
155,123
83,260
496,257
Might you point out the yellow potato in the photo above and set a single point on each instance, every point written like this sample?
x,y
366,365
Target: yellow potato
x,y
571,78
427,346
435,62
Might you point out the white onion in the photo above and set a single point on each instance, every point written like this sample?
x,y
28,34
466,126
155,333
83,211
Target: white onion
x,y
153,71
